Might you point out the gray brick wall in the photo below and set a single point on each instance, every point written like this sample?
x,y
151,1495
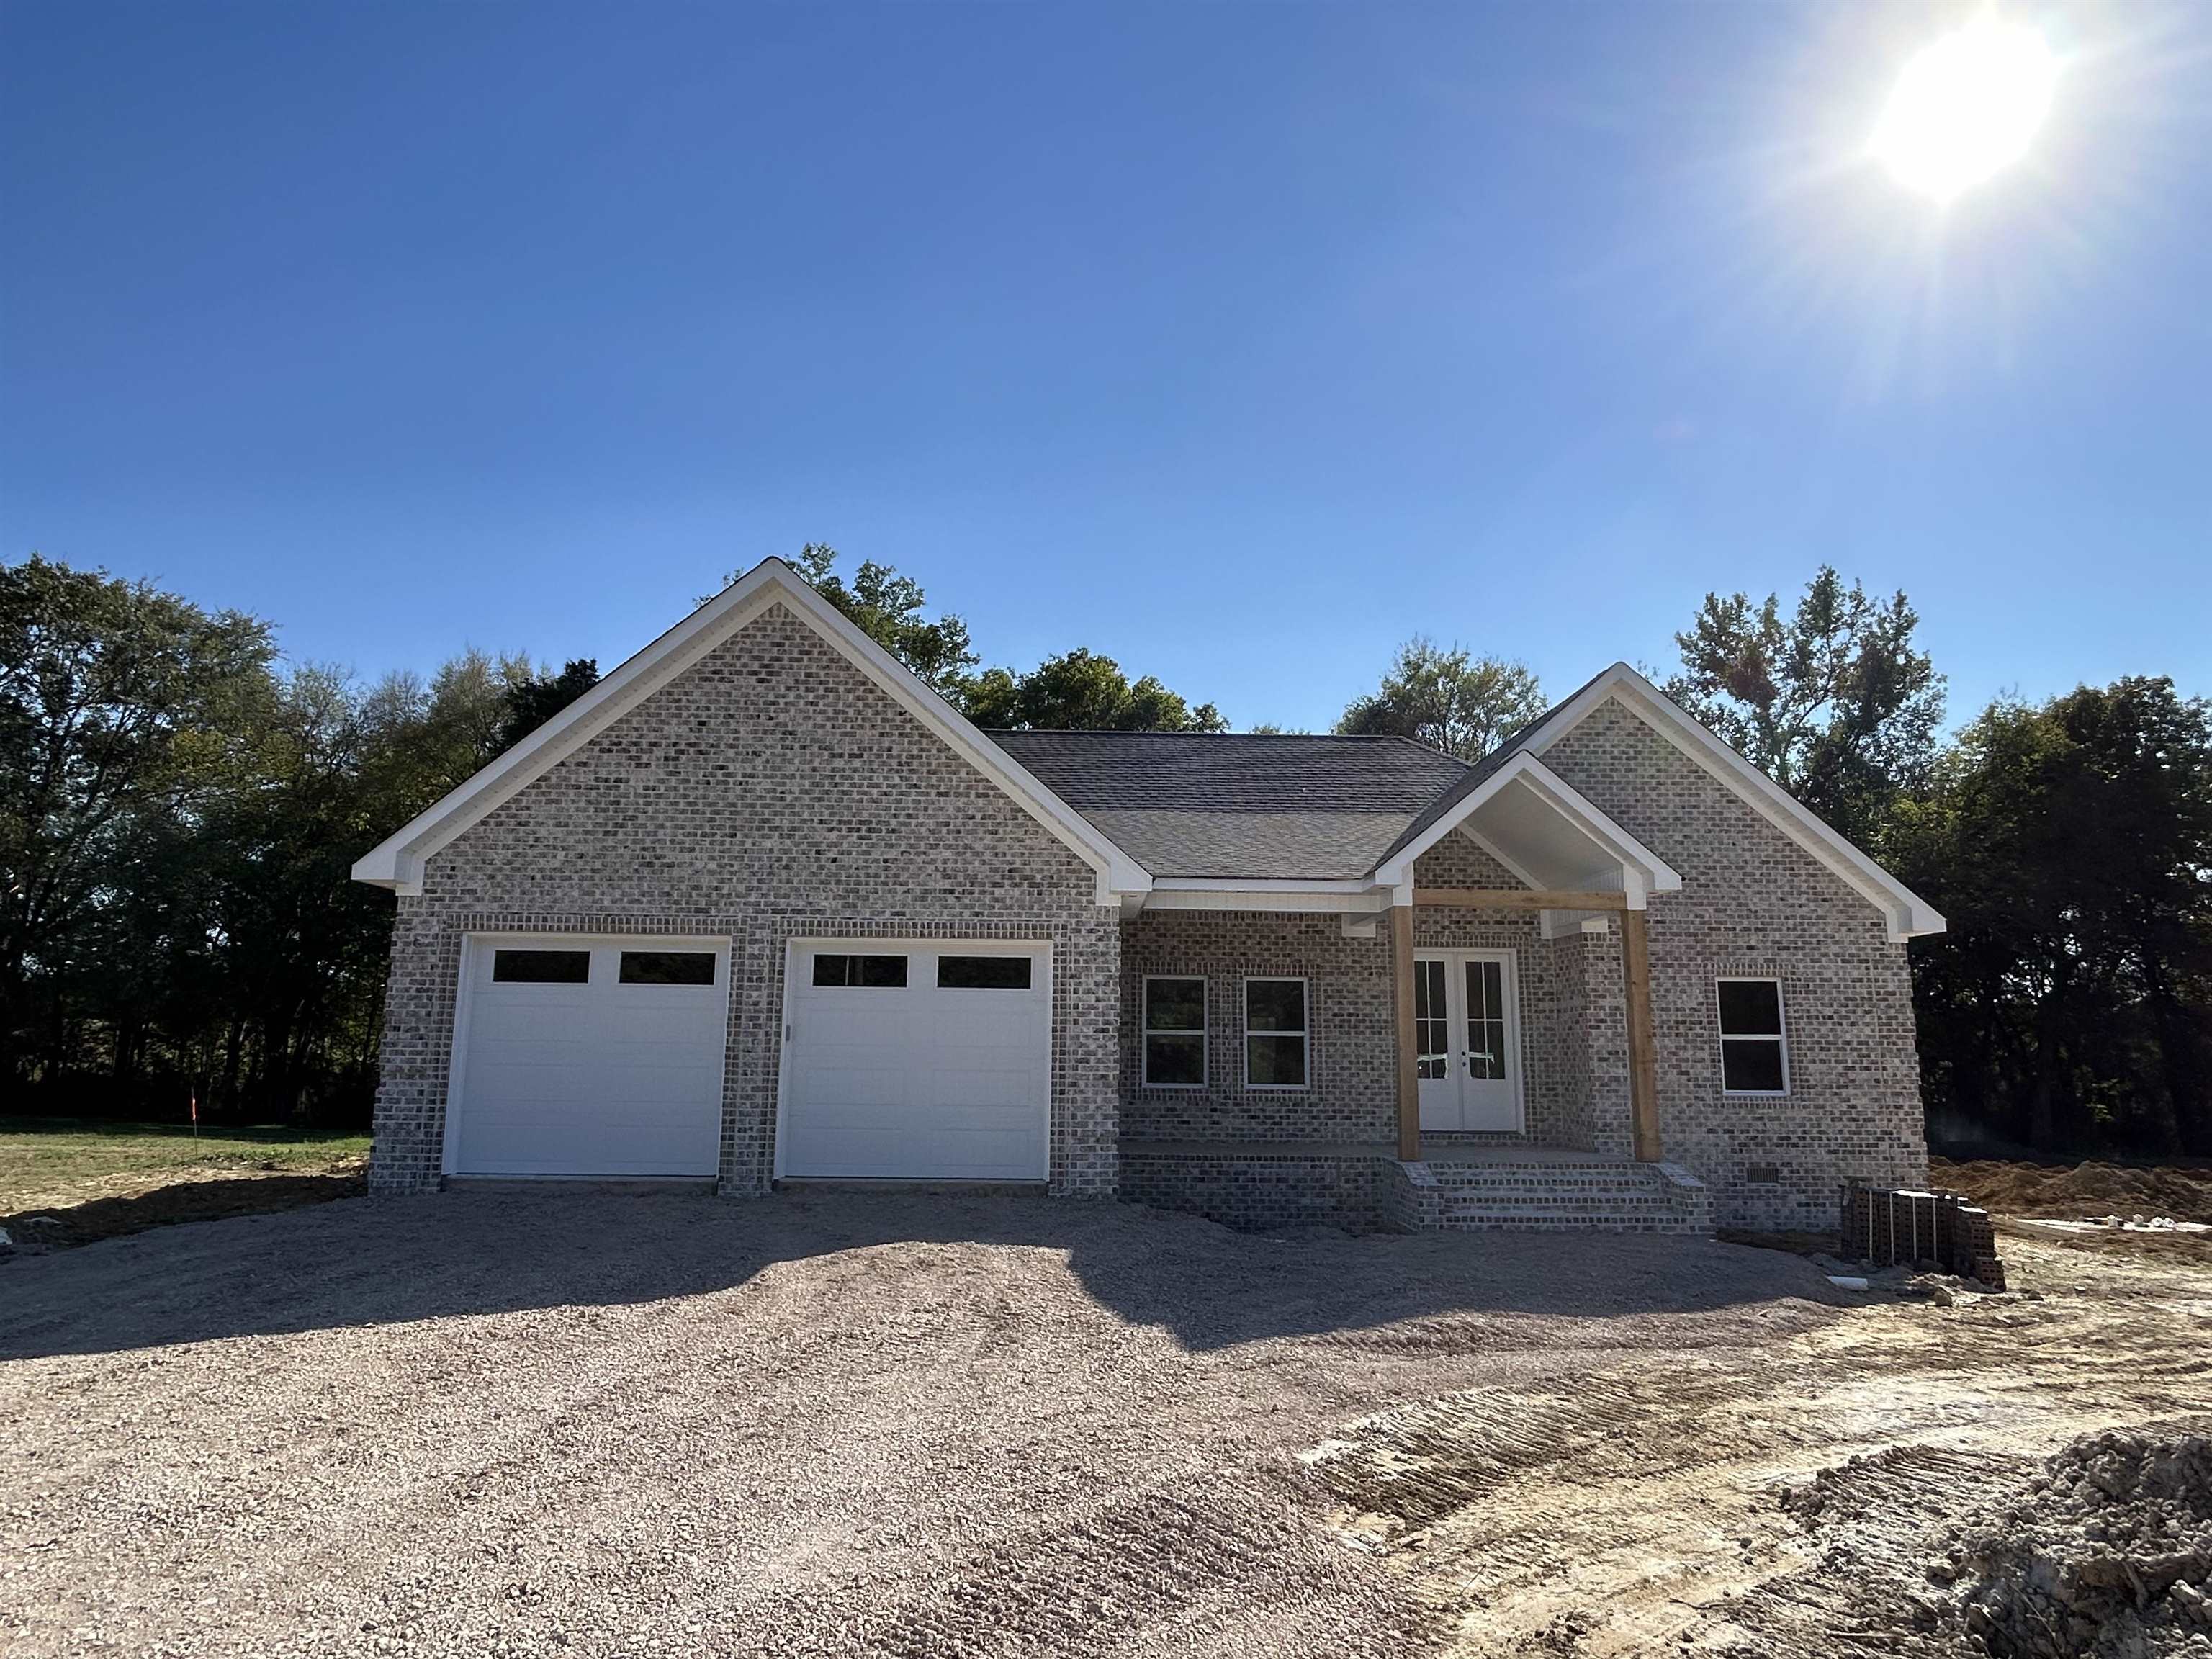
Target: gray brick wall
x,y
1753,903
1351,1066
769,792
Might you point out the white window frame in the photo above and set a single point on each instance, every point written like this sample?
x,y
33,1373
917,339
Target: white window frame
x,y
1146,1032
1779,1037
1304,1034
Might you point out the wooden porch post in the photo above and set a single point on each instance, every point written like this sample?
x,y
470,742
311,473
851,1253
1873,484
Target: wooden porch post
x,y
1409,1077
1643,1054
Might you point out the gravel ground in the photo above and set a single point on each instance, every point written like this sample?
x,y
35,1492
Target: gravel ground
x,y
557,1421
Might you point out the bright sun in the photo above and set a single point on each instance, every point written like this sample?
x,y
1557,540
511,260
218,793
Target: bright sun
x,y
1966,107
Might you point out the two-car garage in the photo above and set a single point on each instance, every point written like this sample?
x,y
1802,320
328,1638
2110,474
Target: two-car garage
x,y
900,1058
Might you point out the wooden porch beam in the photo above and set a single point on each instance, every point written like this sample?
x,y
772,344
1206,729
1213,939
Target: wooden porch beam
x,y
1409,1072
1642,1052
1518,898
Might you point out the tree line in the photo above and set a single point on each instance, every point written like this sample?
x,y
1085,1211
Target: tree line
x,y
179,808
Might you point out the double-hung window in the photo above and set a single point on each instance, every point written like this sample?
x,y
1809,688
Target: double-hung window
x,y
1175,1032
1275,1033
1754,1051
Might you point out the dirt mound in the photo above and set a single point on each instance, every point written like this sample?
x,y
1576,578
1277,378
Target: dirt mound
x,y
2108,1552
2104,1549
2183,1192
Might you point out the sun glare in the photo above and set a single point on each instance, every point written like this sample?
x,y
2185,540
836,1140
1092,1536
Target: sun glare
x,y
1966,107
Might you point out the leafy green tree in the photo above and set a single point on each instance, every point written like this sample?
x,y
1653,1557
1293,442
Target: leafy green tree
x,y
425,738
1083,692
118,704
1834,701
2069,845
298,948
1447,699
1079,691
533,698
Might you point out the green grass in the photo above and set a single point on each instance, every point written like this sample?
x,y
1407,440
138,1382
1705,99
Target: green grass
x,y
49,1162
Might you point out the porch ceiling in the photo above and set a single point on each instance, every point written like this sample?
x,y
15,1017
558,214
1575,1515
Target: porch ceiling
x,y
1541,845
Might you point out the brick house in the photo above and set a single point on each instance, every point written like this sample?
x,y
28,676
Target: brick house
x,y
761,907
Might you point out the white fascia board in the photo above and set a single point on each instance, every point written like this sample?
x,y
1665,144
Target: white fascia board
x,y
1642,869
397,862
1908,914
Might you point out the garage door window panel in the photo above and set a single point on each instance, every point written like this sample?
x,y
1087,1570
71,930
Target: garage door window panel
x,y
1275,1033
984,973
667,968
881,973
541,966
1175,1032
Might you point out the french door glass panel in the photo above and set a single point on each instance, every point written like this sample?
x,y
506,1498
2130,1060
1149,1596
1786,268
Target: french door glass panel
x,y
1432,1021
1485,1020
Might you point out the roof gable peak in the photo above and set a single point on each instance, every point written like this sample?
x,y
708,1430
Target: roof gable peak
x,y
398,861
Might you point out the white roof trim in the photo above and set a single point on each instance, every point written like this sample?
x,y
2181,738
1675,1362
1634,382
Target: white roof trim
x,y
1908,914
1641,869
398,861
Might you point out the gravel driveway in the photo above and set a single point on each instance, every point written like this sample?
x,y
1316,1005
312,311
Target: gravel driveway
x,y
560,1421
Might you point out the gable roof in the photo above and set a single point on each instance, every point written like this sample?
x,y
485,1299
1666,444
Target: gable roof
x,y
1908,914
398,861
1200,808
1240,806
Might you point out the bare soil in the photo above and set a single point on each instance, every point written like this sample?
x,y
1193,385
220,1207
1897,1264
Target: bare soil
x,y
2081,1192
563,1422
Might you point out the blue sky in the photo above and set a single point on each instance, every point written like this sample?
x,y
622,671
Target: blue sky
x,y
1238,342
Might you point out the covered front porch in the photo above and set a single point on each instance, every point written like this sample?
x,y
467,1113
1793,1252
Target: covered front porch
x,y
1478,1024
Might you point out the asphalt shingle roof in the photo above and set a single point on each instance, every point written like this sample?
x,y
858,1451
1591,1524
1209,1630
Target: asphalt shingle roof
x,y
1241,805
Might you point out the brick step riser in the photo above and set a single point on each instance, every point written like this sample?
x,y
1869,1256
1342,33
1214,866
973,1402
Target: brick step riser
x,y
1488,1212
1540,1195
1593,1189
1568,1224
1448,1172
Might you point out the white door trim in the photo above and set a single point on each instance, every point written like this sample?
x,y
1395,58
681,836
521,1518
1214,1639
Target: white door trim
x,y
473,945
1455,959
1042,949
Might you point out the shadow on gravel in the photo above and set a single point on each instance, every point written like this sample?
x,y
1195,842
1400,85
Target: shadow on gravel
x,y
193,1200
373,1262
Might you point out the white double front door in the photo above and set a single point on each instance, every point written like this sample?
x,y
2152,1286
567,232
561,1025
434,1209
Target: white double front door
x,y
1467,1023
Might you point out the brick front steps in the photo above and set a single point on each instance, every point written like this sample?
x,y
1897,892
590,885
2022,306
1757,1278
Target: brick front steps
x,y
1553,1195
1264,1185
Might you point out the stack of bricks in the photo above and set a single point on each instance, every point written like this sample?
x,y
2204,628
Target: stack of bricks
x,y
1887,1226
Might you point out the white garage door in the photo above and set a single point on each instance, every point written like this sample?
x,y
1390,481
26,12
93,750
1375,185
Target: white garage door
x,y
591,1057
917,1061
